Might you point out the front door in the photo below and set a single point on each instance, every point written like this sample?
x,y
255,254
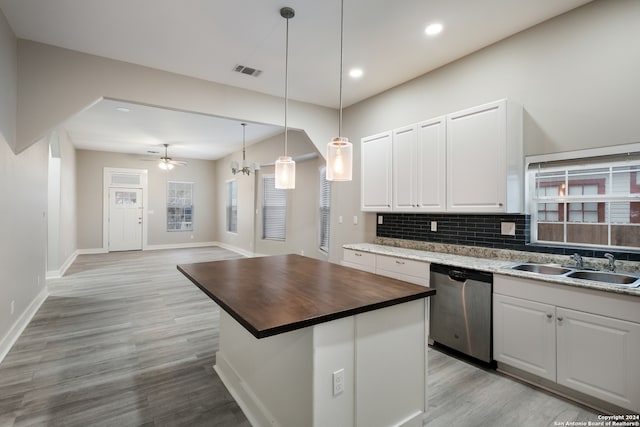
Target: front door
x,y
125,219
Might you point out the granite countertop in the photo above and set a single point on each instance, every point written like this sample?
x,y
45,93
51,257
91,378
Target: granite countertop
x,y
489,260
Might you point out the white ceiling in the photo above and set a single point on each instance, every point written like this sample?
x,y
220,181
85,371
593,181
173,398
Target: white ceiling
x,y
207,38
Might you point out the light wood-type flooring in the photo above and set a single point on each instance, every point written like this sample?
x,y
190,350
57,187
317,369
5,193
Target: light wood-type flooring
x,y
125,340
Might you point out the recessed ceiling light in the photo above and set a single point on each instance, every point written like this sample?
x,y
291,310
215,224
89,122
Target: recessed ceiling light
x,y
355,73
123,109
433,29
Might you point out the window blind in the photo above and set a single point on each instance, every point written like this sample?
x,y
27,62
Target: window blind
x,y
232,206
325,210
274,210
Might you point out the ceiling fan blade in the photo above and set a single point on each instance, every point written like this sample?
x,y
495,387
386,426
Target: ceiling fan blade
x,y
178,162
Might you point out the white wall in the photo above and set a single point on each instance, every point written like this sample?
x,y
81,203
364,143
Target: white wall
x,y
576,76
302,202
89,168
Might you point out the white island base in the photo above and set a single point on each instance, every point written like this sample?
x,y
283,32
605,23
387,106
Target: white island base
x,y
287,380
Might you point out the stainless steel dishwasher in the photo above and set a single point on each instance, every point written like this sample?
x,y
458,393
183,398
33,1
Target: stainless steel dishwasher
x,y
461,310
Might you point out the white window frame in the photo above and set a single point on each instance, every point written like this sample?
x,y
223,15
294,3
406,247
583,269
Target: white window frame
x,y
608,157
185,225
271,230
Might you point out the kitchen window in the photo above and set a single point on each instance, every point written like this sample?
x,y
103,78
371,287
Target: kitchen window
x,y
232,206
179,206
274,210
325,210
586,202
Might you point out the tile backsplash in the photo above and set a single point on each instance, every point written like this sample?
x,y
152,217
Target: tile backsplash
x,y
476,230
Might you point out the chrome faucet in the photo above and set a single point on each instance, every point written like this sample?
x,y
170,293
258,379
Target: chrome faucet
x,y
578,260
612,262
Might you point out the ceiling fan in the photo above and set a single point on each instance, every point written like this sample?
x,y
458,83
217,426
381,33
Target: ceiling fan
x,y
166,162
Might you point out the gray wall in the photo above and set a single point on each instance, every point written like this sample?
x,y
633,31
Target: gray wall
x,y
55,83
8,82
302,202
62,217
576,76
23,192
90,166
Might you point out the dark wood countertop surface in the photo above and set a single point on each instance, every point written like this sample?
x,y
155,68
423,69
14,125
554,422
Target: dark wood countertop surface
x,y
277,294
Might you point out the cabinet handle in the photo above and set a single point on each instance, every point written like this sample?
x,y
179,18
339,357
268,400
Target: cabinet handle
x,y
400,262
358,254
560,318
549,315
499,204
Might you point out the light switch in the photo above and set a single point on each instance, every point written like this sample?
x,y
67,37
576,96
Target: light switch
x,y
340,219
380,219
355,220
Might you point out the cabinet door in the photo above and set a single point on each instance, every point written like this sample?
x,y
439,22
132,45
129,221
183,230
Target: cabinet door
x,y
524,335
476,159
598,356
376,172
431,155
405,173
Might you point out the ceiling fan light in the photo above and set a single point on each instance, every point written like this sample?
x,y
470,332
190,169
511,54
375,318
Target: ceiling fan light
x,y
339,159
285,173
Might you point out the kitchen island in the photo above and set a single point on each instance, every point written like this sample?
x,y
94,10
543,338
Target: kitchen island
x,y
309,343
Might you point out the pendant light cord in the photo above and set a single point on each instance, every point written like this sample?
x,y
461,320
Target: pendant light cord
x,y
341,61
286,86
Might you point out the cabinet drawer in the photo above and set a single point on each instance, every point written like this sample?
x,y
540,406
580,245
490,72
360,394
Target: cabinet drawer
x,y
403,266
364,259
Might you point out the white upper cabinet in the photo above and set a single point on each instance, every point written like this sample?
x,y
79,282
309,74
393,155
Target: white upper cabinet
x,y
405,169
432,155
376,180
470,161
485,159
419,155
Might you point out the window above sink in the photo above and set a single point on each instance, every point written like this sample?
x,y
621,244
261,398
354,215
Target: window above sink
x,y
591,202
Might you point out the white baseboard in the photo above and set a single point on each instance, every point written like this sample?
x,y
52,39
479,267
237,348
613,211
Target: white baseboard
x,y
21,323
241,251
56,274
179,246
91,251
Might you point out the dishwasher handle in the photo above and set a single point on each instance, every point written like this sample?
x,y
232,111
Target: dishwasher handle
x,y
458,275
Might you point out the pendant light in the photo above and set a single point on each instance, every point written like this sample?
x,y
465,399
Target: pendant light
x,y
247,167
285,166
340,150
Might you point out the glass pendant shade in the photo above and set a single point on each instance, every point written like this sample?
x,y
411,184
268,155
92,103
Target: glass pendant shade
x,y
285,173
339,160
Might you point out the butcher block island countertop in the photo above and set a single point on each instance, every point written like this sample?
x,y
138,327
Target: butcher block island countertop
x,y
307,343
276,294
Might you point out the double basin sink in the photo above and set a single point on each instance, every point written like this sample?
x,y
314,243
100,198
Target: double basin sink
x,y
619,279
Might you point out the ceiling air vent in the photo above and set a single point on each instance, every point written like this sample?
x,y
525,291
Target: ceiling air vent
x,y
247,70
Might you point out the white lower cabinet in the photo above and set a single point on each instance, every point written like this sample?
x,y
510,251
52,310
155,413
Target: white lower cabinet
x,y
586,340
532,351
409,270
599,356
359,260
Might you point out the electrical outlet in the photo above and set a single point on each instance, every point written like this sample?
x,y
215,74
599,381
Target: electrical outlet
x,y
338,382
340,219
380,219
302,252
508,228
434,225
355,220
